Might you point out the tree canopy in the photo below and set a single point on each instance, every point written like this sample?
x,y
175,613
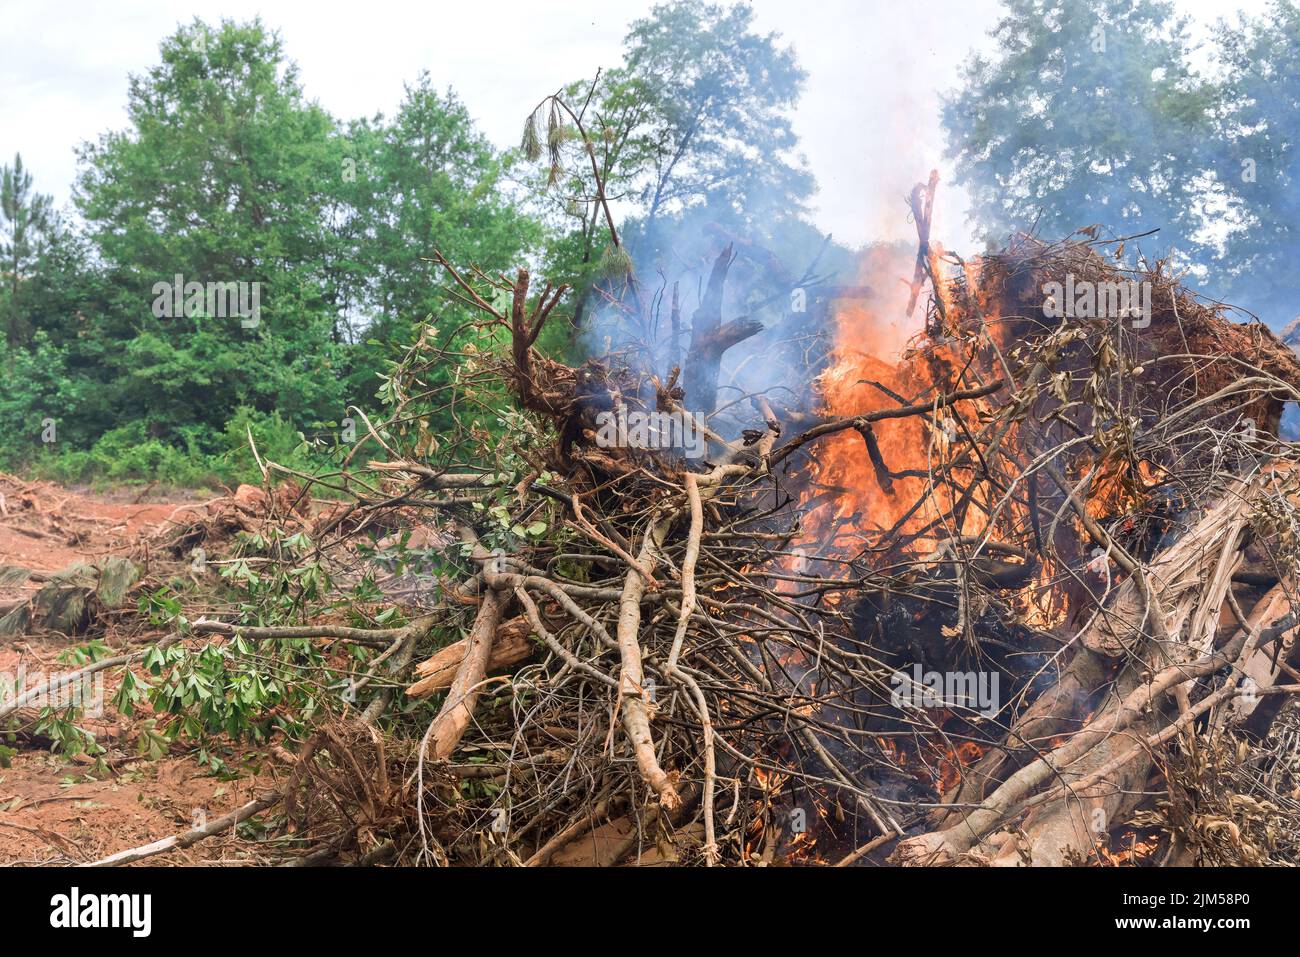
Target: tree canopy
x,y
227,174
1101,112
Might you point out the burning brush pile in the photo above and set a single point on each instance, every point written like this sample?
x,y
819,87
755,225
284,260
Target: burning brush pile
x,y
1009,580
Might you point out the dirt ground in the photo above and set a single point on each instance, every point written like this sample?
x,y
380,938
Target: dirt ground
x,y
58,810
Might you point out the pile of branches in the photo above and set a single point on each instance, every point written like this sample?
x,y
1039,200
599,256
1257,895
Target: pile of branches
x,y
639,657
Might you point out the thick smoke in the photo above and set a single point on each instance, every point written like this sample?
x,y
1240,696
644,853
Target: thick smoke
x,y
786,274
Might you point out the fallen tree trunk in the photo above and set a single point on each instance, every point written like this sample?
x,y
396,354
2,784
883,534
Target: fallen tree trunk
x,y
1151,602
193,836
1096,791
510,647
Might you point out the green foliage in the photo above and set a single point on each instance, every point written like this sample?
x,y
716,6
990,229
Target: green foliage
x,y
425,181
229,689
66,736
246,689
1088,113
201,458
694,127
26,220
223,176
1091,112
1258,160
227,173
718,97
38,385
81,655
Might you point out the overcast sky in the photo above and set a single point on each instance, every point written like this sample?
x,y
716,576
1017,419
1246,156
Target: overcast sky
x,y
868,119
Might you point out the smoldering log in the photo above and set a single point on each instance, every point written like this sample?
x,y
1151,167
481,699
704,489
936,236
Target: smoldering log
x,y
711,338
883,476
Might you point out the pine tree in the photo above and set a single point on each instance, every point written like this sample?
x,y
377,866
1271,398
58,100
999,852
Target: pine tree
x,y
26,219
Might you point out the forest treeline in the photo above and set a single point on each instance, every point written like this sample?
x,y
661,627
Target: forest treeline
x,y
117,360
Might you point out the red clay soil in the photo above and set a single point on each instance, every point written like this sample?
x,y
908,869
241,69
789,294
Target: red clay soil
x,y
55,810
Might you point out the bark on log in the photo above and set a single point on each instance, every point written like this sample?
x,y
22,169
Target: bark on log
x,y
1144,702
1057,711
450,724
632,695
1200,559
1180,569
1105,787
187,838
511,646
1067,831
1274,662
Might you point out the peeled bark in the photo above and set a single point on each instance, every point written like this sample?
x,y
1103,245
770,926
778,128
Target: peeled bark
x,y
1111,753
458,709
1197,567
511,646
632,696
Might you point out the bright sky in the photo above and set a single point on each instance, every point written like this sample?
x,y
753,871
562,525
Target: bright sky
x,y
868,119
